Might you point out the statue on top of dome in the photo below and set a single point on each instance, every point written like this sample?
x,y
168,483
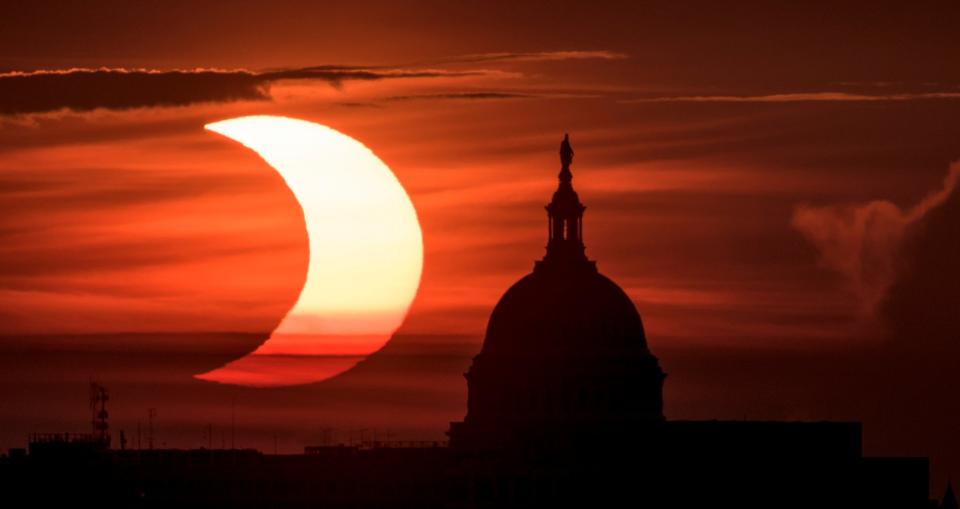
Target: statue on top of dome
x,y
566,151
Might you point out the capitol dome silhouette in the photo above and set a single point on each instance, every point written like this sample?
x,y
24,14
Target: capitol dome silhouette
x,y
565,353
546,313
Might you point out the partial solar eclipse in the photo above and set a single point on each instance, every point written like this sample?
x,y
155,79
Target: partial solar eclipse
x,y
366,253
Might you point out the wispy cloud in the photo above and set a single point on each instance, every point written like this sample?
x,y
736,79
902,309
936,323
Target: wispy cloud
x,y
337,75
533,56
864,242
799,97
464,96
491,95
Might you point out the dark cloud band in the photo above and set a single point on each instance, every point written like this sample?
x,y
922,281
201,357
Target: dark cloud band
x,y
119,89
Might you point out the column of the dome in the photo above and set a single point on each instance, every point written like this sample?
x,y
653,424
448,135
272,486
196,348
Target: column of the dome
x,y
573,232
557,223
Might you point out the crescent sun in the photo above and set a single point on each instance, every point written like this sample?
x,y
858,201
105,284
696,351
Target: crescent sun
x,y
366,253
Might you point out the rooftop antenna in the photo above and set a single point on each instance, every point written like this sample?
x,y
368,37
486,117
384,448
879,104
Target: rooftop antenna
x,y
233,423
98,410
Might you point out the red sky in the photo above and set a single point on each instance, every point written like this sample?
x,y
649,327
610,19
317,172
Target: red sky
x,y
761,181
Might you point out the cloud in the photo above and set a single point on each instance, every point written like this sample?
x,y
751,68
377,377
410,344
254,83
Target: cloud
x,y
485,95
534,56
464,96
88,89
901,263
922,304
800,97
859,242
120,89
337,75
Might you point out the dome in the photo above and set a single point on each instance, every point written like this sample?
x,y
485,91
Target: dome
x,y
579,311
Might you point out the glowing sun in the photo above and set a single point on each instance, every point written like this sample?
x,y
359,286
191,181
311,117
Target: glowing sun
x,y
366,252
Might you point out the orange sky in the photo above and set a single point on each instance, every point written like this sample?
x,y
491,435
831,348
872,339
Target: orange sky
x,y
726,160
170,228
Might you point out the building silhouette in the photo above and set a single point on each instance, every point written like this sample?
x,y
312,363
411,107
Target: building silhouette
x,y
565,354
564,408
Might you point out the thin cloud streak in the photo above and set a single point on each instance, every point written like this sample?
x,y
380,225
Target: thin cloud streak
x,y
533,56
799,97
490,95
464,96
